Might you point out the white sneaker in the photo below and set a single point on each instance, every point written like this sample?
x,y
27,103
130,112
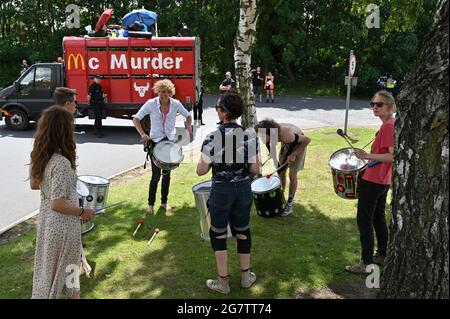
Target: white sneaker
x,y
288,210
248,278
218,285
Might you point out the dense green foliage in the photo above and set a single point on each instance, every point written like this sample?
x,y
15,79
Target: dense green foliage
x,y
303,42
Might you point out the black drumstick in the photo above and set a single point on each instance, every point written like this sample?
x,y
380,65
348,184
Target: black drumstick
x,y
341,133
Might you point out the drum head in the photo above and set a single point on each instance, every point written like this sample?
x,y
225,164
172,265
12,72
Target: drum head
x,y
264,184
345,160
168,152
93,180
203,187
82,189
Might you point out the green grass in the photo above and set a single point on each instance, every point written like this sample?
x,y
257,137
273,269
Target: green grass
x,y
309,249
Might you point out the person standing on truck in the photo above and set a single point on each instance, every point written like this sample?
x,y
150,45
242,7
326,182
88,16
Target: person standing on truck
x,y
67,98
24,66
163,112
96,100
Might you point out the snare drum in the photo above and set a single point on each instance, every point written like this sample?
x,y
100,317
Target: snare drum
x,y
201,194
167,155
346,169
268,196
98,191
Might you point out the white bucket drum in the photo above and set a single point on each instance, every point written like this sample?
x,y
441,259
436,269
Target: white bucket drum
x,y
98,191
83,191
201,194
167,155
345,170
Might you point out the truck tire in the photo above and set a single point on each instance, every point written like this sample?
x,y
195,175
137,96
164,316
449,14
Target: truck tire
x,y
18,121
145,123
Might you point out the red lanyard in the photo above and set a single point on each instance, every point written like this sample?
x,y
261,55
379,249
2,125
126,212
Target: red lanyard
x,y
164,114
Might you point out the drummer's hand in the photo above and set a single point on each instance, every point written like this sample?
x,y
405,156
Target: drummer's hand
x,y
291,159
146,138
362,155
88,214
189,129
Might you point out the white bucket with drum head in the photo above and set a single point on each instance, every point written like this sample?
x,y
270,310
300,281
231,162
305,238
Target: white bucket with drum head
x,y
83,191
98,191
201,194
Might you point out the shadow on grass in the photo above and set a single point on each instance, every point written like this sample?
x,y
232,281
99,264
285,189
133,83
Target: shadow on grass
x,y
306,249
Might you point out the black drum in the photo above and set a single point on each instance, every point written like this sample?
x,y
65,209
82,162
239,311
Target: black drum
x,y
268,196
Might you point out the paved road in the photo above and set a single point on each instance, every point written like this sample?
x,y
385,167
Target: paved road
x,y
122,149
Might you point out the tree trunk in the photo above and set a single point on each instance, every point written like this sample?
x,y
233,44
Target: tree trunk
x,y
245,37
417,263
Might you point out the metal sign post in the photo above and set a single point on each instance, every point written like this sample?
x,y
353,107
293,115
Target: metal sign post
x,y
349,82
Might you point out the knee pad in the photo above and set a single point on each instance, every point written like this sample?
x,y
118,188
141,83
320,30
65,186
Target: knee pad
x,y
218,244
244,245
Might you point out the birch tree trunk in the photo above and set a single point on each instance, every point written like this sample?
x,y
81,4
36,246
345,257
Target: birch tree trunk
x,y
245,37
417,261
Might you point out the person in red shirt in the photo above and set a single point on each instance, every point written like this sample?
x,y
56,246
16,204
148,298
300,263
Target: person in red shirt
x,y
374,185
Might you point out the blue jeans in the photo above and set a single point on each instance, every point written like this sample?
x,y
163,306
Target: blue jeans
x,y
230,202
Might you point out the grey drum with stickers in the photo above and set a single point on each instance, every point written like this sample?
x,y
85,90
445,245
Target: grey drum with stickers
x,y
98,191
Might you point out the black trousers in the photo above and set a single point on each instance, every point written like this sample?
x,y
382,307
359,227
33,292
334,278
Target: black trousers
x,y
371,215
98,112
198,111
153,187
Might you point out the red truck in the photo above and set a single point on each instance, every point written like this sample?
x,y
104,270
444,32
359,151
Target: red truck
x,y
128,67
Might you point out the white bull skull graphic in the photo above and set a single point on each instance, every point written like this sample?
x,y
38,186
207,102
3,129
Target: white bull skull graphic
x,y
141,89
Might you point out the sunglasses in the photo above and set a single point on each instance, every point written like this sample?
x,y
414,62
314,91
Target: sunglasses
x,y
377,104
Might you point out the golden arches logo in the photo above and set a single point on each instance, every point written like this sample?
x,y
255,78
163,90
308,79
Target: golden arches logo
x,y
75,58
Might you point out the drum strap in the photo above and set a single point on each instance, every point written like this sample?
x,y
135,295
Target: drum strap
x,y
268,148
148,148
291,148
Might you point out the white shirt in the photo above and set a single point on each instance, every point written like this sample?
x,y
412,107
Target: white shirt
x,y
161,129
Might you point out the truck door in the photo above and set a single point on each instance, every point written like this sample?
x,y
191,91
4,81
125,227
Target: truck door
x,y
36,88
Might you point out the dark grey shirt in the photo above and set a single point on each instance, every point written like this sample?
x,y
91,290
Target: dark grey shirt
x,y
231,149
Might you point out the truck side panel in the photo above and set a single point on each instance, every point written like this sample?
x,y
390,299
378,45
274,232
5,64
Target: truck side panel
x,y
130,67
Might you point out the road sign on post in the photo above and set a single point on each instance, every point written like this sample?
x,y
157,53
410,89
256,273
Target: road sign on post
x,y
352,65
349,81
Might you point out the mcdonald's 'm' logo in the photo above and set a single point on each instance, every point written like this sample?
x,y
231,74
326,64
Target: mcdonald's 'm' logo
x,y
74,59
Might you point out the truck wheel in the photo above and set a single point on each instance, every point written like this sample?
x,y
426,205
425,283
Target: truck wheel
x,y
145,123
18,121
